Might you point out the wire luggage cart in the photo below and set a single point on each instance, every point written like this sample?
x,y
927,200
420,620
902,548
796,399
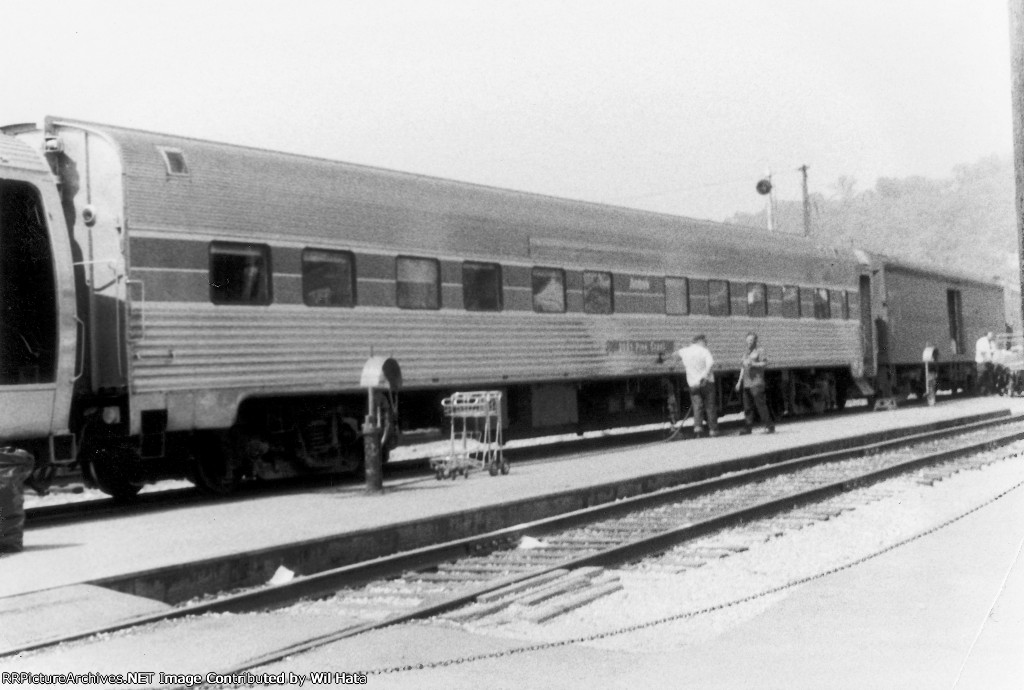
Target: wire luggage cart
x,y
475,441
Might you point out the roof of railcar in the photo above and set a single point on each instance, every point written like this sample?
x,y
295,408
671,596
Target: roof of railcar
x,y
938,271
16,154
251,191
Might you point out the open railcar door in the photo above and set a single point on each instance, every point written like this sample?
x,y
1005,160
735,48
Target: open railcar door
x,y
29,338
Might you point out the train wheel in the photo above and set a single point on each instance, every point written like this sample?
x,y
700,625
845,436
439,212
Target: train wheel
x,y
111,469
213,469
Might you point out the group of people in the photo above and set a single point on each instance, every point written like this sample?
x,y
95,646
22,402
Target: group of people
x,y
998,369
700,378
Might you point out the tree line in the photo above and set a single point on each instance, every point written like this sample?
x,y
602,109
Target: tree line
x,y
966,222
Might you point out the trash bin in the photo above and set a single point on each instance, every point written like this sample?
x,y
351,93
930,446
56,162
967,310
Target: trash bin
x,y
15,466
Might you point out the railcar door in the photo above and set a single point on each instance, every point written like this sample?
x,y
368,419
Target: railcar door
x,y
28,314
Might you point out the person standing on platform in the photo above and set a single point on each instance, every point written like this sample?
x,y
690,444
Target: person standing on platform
x,y
700,379
752,387
984,352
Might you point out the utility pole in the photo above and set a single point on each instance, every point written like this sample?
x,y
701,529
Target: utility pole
x,y
807,203
1017,95
764,188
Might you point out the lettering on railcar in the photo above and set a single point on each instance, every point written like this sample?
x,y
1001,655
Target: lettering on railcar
x,y
639,347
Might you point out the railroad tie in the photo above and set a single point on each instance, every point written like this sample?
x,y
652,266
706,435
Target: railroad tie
x,y
488,568
574,580
517,587
476,611
577,542
590,594
445,577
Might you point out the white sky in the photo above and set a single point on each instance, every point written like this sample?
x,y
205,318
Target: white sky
x,y
675,106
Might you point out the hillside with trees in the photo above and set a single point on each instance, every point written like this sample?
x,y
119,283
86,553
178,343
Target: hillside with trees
x,y
966,222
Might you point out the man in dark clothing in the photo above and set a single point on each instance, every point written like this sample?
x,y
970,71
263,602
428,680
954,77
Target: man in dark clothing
x,y
752,386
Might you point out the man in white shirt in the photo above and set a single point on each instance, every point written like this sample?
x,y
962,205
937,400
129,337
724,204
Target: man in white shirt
x,y
984,350
699,363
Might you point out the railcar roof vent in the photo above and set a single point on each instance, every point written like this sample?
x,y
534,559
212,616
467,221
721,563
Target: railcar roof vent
x,y
174,159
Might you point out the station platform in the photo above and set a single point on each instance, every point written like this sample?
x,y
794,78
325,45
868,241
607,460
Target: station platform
x,y
97,551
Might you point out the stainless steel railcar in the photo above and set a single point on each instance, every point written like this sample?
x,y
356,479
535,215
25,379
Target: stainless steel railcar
x,y
208,308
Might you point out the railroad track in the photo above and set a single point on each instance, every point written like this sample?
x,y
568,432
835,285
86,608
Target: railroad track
x,y
493,575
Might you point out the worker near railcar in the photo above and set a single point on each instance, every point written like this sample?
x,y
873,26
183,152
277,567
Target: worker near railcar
x,y
984,356
752,387
700,378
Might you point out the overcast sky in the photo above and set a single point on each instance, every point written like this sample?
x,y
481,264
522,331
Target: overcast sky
x,y
674,106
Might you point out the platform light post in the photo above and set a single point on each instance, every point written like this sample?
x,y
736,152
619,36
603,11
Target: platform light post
x,y
379,374
764,188
807,202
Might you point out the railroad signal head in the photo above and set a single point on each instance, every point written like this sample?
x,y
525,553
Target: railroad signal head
x,y
764,186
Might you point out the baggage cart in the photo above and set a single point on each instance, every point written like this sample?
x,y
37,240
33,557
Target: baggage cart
x,y
474,441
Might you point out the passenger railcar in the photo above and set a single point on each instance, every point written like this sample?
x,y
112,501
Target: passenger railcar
x,y
208,307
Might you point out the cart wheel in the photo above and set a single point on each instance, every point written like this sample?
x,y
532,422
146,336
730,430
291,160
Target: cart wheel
x,y
492,468
504,467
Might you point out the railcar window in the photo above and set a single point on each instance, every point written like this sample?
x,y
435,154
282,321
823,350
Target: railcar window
x,y
791,301
548,290
822,308
757,299
328,278
174,160
699,297
845,305
419,283
718,297
677,296
240,273
481,286
597,292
